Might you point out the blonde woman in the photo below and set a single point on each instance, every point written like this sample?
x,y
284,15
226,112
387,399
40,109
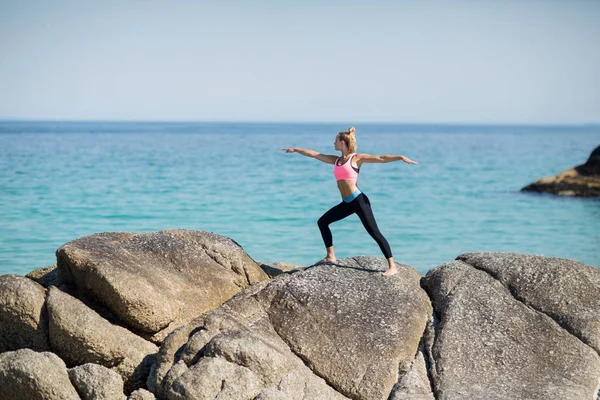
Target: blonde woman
x,y
346,169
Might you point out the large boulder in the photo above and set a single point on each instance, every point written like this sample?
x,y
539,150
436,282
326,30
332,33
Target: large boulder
x,y
95,382
491,343
29,375
157,281
79,336
567,291
23,318
582,181
328,332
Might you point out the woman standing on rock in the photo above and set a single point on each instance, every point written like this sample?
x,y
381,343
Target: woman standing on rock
x,y
345,170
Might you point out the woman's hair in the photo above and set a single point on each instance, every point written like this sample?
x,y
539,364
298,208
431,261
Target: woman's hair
x,y
349,138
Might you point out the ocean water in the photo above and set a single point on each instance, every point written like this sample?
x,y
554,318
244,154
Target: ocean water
x,y
63,180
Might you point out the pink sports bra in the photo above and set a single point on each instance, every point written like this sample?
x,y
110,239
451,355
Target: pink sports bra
x,y
345,172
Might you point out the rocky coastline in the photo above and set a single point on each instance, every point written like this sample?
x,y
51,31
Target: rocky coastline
x,y
580,181
181,314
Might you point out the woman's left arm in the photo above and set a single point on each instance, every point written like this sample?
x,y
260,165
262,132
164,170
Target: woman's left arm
x,y
367,158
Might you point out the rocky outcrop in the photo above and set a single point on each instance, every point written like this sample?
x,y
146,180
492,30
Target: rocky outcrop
x,y
23,318
582,181
487,325
79,336
154,282
29,375
496,339
95,382
329,332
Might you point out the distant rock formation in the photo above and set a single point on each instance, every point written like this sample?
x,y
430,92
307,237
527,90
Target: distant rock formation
x,y
485,326
581,181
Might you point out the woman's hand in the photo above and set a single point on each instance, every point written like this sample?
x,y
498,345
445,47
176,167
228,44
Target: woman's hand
x,y
289,150
408,160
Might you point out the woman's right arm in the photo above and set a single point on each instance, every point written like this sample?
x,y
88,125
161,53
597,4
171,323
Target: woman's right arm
x,y
313,154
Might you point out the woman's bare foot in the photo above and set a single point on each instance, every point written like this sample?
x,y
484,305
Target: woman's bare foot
x,y
391,267
327,260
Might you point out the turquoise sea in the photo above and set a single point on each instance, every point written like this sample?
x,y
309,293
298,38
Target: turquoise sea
x,y
63,180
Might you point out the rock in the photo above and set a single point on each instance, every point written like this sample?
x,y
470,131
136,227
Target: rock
x,y
79,336
23,317
157,281
141,394
567,291
47,276
354,321
326,332
29,375
271,394
214,378
95,382
414,385
490,345
582,181
279,268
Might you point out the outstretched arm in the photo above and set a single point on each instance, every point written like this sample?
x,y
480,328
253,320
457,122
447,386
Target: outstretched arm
x,y
367,158
313,154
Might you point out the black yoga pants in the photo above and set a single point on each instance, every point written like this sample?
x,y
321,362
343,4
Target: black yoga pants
x,y
362,207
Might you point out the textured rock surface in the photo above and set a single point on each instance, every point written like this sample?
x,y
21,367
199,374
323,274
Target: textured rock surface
x,y
157,281
325,333
79,336
490,345
47,276
414,385
23,318
29,375
278,268
95,382
583,180
567,291
141,394
214,378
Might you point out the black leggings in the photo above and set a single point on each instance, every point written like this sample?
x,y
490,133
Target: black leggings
x,y
362,207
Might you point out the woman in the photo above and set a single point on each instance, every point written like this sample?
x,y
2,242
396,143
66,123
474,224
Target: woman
x,y
345,170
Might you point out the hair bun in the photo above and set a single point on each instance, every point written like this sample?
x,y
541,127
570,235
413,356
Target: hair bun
x,y
351,130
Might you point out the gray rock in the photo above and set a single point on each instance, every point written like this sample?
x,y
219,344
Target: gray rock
x,y
354,326
489,345
29,375
95,382
568,291
278,268
79,335
47,276
582,181
213,378
23,317
141,394
155,282
324,333
414,384
271,394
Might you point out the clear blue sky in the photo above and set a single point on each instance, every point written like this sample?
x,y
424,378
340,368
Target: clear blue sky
x,y
484,61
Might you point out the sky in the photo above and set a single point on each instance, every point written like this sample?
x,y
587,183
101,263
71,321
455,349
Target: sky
x,y
421,61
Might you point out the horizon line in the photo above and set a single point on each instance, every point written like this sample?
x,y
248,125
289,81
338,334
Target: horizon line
x,y
405,123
